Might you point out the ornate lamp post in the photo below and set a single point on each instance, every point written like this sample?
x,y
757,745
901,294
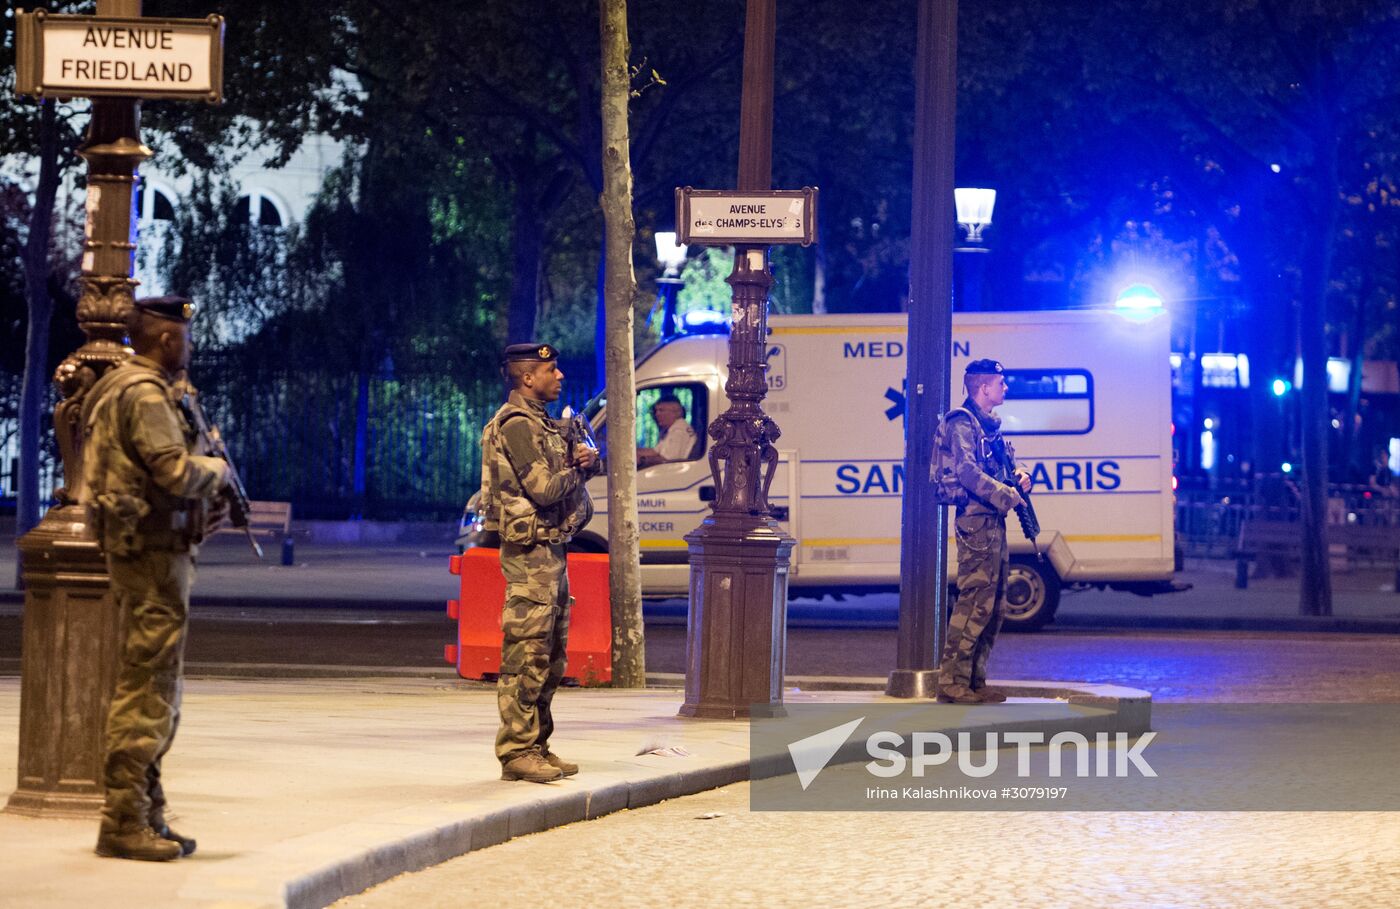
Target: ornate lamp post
x,y
71,626
739,557
72,629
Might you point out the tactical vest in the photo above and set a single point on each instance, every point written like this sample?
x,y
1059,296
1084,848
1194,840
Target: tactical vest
x,y
503,502
126,512
947,490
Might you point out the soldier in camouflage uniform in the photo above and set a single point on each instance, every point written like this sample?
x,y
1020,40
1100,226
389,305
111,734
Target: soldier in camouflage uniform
x,y
147,498
992,491
533,494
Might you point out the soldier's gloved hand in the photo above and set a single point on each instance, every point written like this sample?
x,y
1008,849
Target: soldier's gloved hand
x,y
1023,480
215,514
585,457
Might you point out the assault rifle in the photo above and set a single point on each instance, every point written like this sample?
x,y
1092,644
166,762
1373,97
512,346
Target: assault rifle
x,y
1025,513
239,508
576,431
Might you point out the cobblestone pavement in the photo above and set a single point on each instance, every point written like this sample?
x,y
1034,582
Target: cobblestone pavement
x,y
667,856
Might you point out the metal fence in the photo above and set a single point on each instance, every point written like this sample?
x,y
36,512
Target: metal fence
x,y
9,443
1208,523
401,444
396,445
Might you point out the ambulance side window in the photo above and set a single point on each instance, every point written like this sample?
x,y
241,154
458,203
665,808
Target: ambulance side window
x,y
1048,402
692,398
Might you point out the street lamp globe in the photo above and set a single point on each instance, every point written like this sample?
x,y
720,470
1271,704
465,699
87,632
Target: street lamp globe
x,y
669,253
974,207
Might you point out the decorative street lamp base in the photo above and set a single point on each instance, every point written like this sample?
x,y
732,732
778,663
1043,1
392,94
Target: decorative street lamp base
x,y
72,632
737,628
54,805
913,683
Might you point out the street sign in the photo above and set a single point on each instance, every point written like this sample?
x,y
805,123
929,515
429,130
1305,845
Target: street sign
x,y
711,217
95,56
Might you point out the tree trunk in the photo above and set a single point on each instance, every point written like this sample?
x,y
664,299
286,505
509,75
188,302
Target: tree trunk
x,y
527,244
540,188
624,570
1315,593
1261,208
1358,461
40,313
600,318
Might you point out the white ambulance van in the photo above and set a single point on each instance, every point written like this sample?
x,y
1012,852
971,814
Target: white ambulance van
x,y
1088,411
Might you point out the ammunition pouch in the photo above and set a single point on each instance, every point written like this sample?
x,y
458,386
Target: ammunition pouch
x,y
125,525
550,525
521,529
116,522
529,525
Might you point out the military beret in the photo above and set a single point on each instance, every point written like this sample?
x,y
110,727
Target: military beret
x,y
542,353
983,368
174,308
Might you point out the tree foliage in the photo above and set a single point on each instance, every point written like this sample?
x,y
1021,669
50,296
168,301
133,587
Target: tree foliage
x,y
1242,152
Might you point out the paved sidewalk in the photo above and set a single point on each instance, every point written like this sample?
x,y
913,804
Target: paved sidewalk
x,y
301,792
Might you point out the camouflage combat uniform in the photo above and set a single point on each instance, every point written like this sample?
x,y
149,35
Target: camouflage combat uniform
x,y
537,501
146,499
983,558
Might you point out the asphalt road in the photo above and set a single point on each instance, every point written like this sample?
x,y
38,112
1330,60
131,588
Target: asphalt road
x,y
1174,665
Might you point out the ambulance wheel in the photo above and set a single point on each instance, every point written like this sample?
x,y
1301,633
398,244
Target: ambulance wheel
x,y
1032,595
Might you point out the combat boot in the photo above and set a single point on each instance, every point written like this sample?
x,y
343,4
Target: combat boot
x,y
140,843
957,694
162,829
990,695
568,768
530,766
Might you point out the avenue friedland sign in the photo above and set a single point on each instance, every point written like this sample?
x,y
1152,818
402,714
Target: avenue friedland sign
x,y
755,218
92,56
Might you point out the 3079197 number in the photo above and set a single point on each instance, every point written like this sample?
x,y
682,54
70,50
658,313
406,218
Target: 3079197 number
x,y
1037,792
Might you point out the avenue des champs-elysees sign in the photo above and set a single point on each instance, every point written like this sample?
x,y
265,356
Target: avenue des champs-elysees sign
x,y
93,56
738,217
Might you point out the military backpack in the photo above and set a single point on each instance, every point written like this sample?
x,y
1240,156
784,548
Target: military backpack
x,y
112,516
942,467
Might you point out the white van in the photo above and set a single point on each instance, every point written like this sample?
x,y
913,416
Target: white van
x,y
1088,410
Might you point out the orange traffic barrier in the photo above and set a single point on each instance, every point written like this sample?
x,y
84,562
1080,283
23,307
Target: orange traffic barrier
x,y
477,611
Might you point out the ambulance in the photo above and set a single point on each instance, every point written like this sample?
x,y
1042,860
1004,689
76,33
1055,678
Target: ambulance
x,y
1088,410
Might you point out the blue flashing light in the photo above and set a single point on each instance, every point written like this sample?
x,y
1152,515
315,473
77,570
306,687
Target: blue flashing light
x,y
704,322
1139,302
1281,387
1287,467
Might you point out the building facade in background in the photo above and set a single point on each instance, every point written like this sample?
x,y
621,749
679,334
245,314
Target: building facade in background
x,y
276,198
